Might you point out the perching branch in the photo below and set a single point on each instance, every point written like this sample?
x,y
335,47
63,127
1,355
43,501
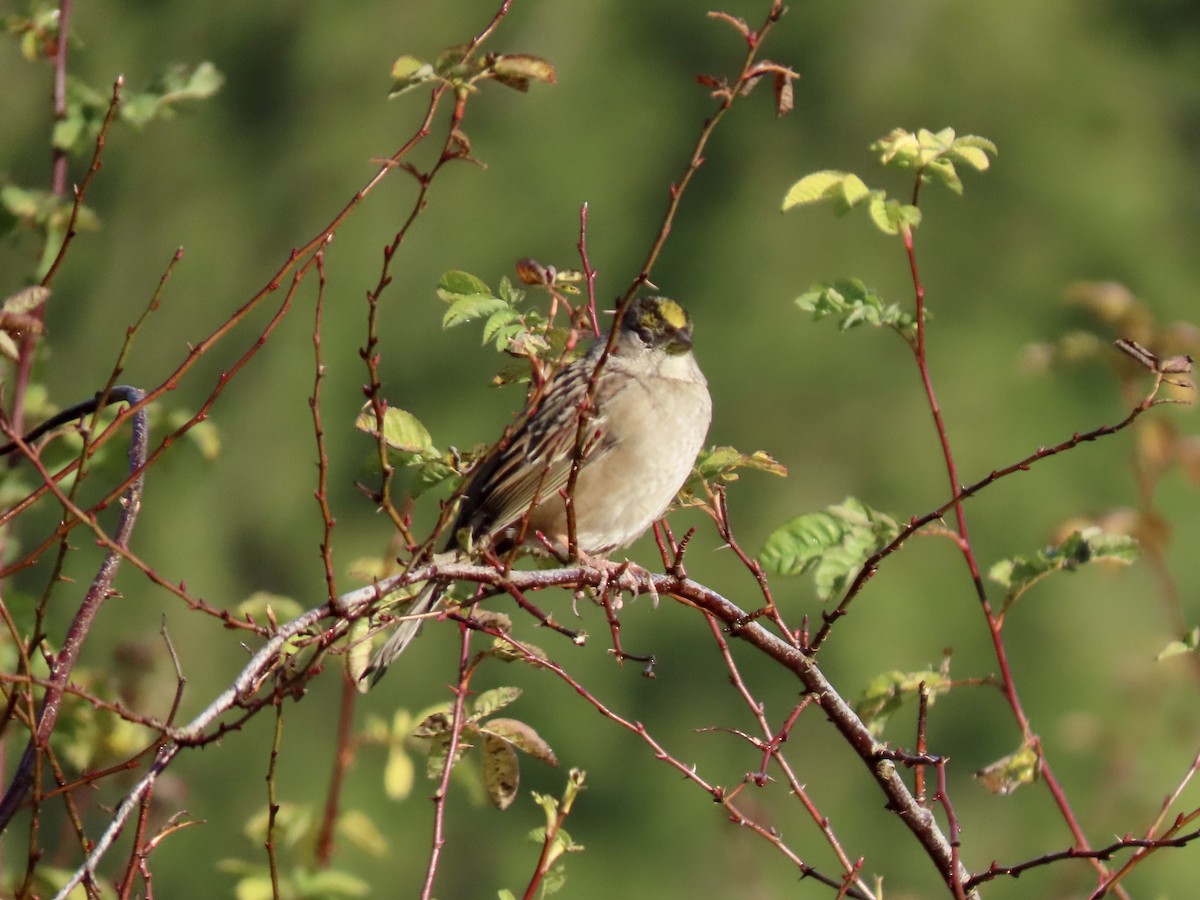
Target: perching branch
x,y
359,602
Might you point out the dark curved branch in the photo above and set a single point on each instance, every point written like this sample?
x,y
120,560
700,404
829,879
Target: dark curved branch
x,y
98,592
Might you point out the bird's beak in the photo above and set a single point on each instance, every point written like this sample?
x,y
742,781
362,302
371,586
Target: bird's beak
x,y
681,342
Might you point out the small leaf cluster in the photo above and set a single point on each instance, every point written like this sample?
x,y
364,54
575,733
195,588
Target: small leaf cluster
x,y
462,71
722,465
292,833
933,156
853,303
887,692
1167,349
412,445
17,319
845,191
507,324
557,842
1010,772
75,132
87,737
511,327
38,30
833,544
87,107
1018,574
500,739
398,738
1189,643
45,214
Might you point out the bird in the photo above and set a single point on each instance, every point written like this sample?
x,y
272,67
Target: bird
x,y
650,412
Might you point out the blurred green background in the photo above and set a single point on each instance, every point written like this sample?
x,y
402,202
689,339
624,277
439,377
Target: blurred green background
x,y
1095,107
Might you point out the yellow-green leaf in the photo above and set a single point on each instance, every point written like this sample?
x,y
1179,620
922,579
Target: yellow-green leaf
x,y
1007,774
815,187
489,702
401,430
358,828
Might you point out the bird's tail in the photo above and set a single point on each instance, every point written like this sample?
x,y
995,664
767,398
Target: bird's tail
x,y
427,601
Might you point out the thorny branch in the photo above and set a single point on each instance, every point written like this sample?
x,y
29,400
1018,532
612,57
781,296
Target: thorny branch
x,y
360,602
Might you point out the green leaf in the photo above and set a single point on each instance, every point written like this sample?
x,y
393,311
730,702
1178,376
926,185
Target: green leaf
x,y
974,151
511,294
1020,573
435,724
399,773
293,823
943,171
972,156
453,65
722,463
83,117
21,203
853,303
255,887
439,749
891,216
328,883
469,308
455,285
70,132
206,437
360,830
832,544
468,297
177,84
492,701
853,192
934,155
845,189
406,67
409,72
1189,644
1008,773
562,842
500,325
887,692
49,880
44,212
430,473
401,430
262,605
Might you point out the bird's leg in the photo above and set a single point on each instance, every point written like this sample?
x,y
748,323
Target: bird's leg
x,y
627,575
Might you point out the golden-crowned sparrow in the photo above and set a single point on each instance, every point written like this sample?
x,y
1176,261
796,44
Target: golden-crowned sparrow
x,y
650,414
